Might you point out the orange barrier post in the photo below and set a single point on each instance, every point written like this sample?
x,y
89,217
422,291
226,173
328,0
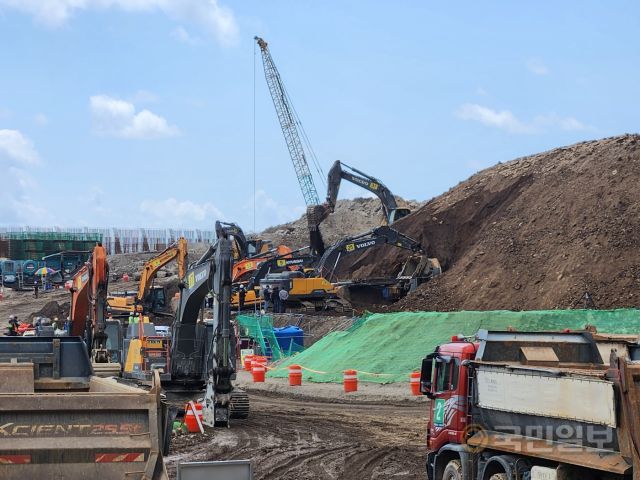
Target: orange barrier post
x,y
248,360
262,360
415,383
258,370
295,375
190,420
350,381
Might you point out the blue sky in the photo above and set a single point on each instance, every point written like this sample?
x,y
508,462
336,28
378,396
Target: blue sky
x,y
140,112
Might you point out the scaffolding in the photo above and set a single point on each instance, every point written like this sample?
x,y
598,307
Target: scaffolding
x,y
33,243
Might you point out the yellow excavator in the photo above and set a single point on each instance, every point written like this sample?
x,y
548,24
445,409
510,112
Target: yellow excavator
x,y
150,299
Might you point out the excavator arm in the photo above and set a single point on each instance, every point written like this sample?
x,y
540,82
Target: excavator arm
x,y
221,361
89,304
99,280
230,229
177,251
79,301
375,186
316,214
383,235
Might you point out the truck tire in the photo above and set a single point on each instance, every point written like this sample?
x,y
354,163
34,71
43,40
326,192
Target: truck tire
x,y
453,471
498,476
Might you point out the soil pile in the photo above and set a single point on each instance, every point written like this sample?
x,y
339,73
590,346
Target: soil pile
x,y
534,233
53,310
350,218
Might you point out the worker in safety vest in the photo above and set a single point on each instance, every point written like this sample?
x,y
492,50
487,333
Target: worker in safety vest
x,y
13,326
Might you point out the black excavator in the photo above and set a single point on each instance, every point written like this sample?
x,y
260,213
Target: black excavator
x,y
244,247
316,214
203,351
417,269
315,280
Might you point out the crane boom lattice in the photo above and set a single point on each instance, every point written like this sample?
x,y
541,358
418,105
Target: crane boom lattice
x,y
289,124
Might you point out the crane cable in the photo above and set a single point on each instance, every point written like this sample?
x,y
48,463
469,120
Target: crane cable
x,y
254,136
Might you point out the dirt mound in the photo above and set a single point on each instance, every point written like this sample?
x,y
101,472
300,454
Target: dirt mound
x,y
52,310
350,217
534,233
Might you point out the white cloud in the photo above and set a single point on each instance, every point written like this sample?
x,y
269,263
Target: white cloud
x,y
16,149
171,211
181,34
41,119
537,67
118,118
506,120
215,18
18,157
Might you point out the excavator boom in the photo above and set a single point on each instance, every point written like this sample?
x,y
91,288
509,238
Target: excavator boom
x,y
145,299
316,214
89,308
177,251
383,235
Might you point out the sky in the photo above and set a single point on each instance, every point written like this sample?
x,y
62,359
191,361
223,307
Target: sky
x,y
153,113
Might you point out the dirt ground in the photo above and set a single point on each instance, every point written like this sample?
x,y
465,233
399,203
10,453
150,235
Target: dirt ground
x,y
298,433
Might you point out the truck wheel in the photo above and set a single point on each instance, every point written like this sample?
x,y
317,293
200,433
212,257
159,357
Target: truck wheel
x,y
498,476
453,471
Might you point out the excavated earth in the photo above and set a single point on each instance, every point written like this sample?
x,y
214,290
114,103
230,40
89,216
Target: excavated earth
x,y
534,233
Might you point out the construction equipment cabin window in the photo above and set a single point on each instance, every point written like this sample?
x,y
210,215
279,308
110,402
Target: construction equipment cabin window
x,y
446,374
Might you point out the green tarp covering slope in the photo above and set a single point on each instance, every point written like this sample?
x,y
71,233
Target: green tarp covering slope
x,y
392,345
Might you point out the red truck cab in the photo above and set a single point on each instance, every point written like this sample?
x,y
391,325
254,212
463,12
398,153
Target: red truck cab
x,y
444,379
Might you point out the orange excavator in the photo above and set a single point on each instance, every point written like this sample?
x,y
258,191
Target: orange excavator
x,y
148,298
89,310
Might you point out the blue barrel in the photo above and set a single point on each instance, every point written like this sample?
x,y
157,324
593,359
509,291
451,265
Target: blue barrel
x,y
290,338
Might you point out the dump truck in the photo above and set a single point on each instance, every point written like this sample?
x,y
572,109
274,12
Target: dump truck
x,y
58,420
533,406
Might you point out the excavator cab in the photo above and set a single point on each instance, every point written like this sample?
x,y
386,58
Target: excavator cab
x,y
398,213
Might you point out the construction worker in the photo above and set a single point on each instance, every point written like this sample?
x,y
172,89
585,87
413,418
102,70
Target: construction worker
x,y
242,294
275,298
266,296
283,294
13,326
35,288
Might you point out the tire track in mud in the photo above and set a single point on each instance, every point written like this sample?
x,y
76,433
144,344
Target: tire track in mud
x,y
288,438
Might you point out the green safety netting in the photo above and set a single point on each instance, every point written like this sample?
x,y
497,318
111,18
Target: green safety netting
x,y
386,348
260,328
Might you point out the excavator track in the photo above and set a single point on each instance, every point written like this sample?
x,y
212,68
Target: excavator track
x,y
239,405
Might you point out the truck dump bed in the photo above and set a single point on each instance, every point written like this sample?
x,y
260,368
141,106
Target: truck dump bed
x,y
57,420
553,396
